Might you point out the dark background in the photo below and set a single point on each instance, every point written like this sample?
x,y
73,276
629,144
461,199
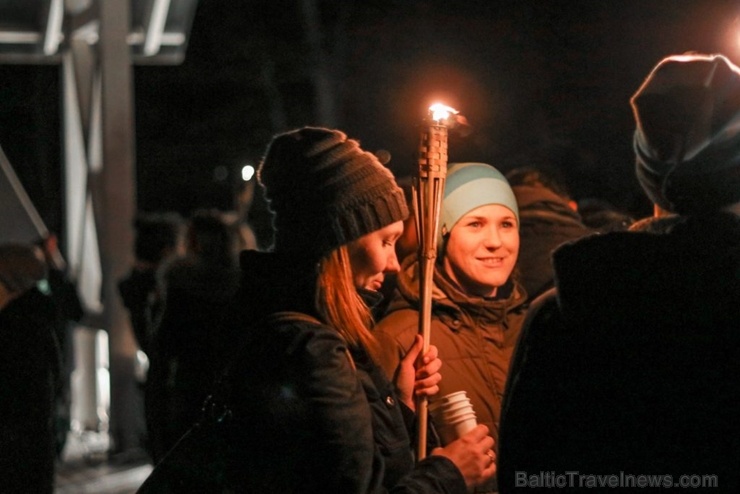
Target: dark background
x,y
539,80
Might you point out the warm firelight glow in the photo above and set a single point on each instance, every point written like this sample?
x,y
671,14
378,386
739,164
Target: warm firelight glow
x,y
441,112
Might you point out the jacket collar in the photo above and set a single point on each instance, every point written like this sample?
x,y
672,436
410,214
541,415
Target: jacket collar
x,y
449,301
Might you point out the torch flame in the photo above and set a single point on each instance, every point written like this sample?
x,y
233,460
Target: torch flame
x,y
441,112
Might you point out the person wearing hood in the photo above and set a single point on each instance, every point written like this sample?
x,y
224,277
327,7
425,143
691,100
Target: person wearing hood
x,y
629,365
478,304
309,410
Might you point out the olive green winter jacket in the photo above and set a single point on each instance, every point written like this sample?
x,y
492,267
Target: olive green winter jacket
x,y
475,337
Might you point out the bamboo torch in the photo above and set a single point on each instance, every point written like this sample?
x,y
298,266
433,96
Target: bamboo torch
x,y
428,193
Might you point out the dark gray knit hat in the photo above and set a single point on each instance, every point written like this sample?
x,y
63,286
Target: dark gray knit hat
x,y
325,191
687,141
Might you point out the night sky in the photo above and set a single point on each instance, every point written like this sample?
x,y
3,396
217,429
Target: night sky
x,y
544,81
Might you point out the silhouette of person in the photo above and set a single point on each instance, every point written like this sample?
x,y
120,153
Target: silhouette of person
x,y
187,346
549,218
30,363
630,364
158,237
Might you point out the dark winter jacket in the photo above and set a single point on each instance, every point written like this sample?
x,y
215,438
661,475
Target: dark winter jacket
x,y
631,365
546,223
306,416
29,367
188,347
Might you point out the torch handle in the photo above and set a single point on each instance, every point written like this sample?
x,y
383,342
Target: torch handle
x,y
431,180
425,321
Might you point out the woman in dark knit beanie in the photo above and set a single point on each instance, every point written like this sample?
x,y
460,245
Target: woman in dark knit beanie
x,y
310,410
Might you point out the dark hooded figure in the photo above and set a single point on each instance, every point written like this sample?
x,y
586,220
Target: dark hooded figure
x,y
629,367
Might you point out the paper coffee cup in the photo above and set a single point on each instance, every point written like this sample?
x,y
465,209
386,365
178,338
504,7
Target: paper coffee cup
x,y
448,418
450,432
447,400
454,408
453,416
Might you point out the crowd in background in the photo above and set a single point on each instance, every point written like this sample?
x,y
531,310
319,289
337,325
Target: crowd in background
x,y
586,339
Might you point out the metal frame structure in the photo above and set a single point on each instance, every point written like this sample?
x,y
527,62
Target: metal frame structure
x,y
96,42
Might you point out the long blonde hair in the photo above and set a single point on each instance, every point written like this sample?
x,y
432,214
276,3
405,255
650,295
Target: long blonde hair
x,y
339,304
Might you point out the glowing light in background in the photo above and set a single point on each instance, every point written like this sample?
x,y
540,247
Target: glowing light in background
x,y
247,172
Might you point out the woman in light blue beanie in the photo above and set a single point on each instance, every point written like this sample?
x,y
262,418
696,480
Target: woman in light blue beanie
x,y
477,303
470,185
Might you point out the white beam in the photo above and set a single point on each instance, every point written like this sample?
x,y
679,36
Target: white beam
x,y
53,34
155,27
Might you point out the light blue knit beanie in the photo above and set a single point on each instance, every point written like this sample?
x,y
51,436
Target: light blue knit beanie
x,y
469,186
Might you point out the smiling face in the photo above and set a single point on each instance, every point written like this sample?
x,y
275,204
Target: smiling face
x,y
373,255
482,249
